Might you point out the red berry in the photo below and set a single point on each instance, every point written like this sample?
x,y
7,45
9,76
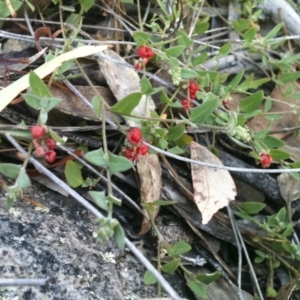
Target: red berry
x,y
135,135
137,65
50,156
265,160
145,52
37,131
40,152
187,104
129,153
193,89
143,149
50,143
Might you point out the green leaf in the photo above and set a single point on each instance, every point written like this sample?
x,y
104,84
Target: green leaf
x,y
32,100
225,49
149,278
56,137
209,278
202,27
188,73
199,59
163,202
256,83
141,37
184,39
273,32
146,86
118,163
4,11
10,170
127,104
258,260
289,77
175,51
96,102
252,207
175,132
252,102
97,158
37,86
272,142
279,154
171,266
235,81
179,248
86,4
49,103
201,113
119,235
241,24
99,199
176,150
260,253
198,288
73,174
23,180
250,34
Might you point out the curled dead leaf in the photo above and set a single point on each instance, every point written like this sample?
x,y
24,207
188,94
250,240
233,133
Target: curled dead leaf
x,y
213,188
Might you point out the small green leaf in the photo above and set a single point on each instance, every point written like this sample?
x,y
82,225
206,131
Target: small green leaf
x,y
289,77
201,113
184,39
118,163
175,132
96,102
256,83
179,248
175,51
279,154
171,266
252,207
97,158
10,170
37,86
271,292
127,104
272,142
260,253
32,100
49,103
73,174
99,199
188,73
176,150
258,260
209,278
199,59
273,32
86,4
119,235
225,49
23,180
163,202
146,86
251,103
250,34
141,37
149,278
197,288
235,81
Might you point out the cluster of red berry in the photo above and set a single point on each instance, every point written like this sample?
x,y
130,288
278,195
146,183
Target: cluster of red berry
x,y
145,54
135,145
265,160
44,146
193,88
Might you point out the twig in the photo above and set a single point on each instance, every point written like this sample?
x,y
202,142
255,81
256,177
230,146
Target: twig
x,y
23,281
219,166
167,287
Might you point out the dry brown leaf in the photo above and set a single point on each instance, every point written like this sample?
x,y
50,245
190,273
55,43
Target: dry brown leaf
x,y
149,170
213,188
285,292
289,187
124,81
71,104
289,119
